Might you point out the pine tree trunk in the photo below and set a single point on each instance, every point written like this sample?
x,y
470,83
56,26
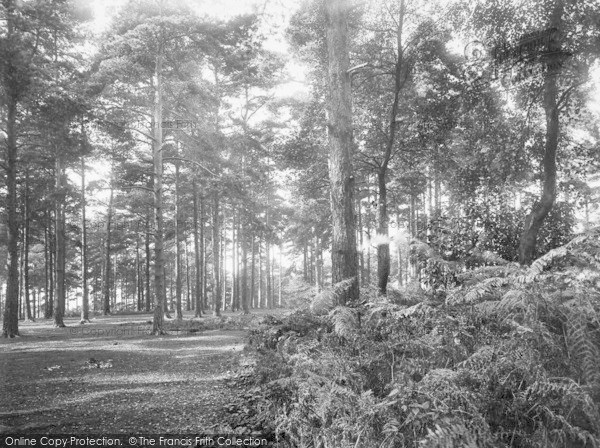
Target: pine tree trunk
x,y
198,249
304,263
216,236
260,269
269,291
59,266
234,261
341,174
26,244
107,249
159,271
253,275
139,290
188,304
47,305
178,245
85,301
361,255
147,264
51,253
279,299
10,325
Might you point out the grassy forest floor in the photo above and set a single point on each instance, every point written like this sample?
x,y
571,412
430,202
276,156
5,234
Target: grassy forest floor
x,y
111,376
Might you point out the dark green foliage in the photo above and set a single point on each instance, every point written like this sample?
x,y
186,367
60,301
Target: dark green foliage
x,y
496,227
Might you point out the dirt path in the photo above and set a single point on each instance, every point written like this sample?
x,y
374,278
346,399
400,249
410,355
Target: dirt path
x,y
110,375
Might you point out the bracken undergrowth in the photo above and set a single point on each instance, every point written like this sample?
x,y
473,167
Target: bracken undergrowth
x,y
510,358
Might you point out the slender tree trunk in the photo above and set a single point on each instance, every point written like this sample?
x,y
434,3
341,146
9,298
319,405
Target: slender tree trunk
x,y
541,209
139,289
147,264
318,267
223,236
47,274
383,246
260,268
85,300
252,275
234,261
107,249
304,263
341,173
312,265
10,326
368,245
26,244
268,273
59,302
188,303
51,253
159,271
178,244
216,235
244,275
279,299
198,249
361,252
114,282
22,265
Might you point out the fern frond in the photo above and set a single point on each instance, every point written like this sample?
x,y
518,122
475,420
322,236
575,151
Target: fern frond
x,y
583,349
345,321
479,291
329,297
458,435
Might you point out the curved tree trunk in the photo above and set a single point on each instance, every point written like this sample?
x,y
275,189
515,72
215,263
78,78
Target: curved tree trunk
x,y
540,211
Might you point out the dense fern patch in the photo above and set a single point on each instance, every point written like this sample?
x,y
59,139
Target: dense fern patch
x,y
510,359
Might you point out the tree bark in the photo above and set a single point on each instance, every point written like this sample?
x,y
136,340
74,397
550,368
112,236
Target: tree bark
x,y
216,235
535,220
252,274
59,265
383,246
178,245
244,274
188,303
46,269
85,301
260,269
107,260
26,244
198,249
10,326
159,271
341,176
234,261
148,262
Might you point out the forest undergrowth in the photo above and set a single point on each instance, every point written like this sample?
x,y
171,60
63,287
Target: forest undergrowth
x,y
506,356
